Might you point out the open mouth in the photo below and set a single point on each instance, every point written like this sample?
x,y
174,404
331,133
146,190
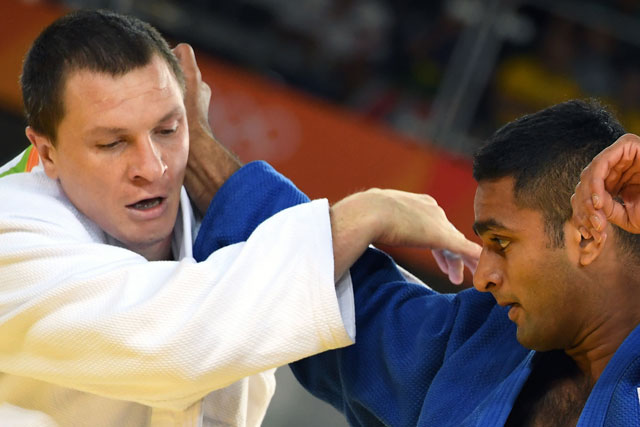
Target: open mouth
x,y
146,203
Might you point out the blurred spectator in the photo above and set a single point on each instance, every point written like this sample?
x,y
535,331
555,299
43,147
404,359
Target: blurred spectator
x,y
628,97
593,68
531,81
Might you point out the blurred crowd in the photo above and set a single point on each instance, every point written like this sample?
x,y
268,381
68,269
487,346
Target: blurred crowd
x,y
387,59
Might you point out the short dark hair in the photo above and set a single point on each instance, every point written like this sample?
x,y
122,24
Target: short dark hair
x,y
545,153
94,40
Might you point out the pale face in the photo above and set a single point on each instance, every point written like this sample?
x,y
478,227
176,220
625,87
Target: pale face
x,y
521,269
121,153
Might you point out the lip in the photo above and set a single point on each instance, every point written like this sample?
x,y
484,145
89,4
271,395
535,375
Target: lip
x,y
506,303
514,308
513,311
147,214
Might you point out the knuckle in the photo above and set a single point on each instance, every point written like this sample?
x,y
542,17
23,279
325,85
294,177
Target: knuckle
x,y
428,200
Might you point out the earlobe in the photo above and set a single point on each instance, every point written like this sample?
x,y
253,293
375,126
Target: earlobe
x,y
46,151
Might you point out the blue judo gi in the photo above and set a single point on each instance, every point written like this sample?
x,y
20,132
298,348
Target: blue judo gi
x,y
421,358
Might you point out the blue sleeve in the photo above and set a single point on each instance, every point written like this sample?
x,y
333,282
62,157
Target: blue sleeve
x,y
250,196
412,343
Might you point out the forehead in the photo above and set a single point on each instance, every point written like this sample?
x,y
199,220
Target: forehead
x,y
91,96
496,208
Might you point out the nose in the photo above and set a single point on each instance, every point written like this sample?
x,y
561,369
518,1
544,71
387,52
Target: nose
x,y
488,275
146,164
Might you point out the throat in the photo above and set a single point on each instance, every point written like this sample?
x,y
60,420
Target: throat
x,y
554,394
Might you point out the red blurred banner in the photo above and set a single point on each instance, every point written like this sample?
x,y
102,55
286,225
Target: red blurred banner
x,y
326,150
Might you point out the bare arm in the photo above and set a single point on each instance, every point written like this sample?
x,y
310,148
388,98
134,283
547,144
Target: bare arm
x,y
376,216
398,218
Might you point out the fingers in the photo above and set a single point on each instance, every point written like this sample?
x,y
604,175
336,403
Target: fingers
x,y
594,199
453,264
408,219
450,264
456,267
471,263
187,59
196,100
458,244
469,250
440,260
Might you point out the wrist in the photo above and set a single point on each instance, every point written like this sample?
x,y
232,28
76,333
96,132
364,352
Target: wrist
x,y
208,167
360,216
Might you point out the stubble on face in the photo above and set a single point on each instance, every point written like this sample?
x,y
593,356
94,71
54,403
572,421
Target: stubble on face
x,y
524,269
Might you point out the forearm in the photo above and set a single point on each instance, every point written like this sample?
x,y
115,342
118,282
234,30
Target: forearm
x,y
210,164
395,218
353,229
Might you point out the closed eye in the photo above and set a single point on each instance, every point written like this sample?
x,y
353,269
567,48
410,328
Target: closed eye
x,y
168,131
110,145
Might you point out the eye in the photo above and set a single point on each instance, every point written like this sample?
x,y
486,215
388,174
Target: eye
x,y
168,131
500,242
110,145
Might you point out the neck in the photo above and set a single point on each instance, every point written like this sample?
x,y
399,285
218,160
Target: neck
x,y
609,325
160,251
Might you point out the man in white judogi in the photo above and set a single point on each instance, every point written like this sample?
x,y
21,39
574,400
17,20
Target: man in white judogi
x,y
105,318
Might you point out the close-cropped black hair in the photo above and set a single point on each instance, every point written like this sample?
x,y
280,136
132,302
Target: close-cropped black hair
x,y
94,40
545,153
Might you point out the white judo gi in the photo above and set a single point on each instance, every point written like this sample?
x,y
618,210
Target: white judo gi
x,y
94,334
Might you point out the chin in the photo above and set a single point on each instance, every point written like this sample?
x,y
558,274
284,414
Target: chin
x,y
142,240
534,342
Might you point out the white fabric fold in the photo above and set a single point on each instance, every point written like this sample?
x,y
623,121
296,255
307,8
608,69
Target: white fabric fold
x,y
114,335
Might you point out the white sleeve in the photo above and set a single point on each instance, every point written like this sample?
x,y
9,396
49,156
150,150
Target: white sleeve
x,y
102,319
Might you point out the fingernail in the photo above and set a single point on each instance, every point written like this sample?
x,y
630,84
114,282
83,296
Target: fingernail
x,y
584,232
595,221
595,199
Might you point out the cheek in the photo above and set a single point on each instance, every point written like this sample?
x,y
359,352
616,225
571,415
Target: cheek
x,y
177,158
87,182
526,277
547,282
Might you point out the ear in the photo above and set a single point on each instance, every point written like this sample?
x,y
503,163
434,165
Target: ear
x,y
46,151
584,251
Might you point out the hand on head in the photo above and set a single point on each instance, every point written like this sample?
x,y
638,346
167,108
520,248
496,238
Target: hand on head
x,y
609,190
400,218
197,92
210,164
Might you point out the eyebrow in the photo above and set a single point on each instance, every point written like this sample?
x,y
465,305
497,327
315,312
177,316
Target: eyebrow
x,y
481,227
116,130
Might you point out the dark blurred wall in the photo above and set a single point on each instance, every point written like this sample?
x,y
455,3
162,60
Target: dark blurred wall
x,y
13,138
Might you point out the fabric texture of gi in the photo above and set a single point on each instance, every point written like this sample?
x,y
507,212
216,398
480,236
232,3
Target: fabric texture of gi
x,y
92,334
422,358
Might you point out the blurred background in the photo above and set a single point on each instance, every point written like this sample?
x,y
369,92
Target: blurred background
x,y
341,95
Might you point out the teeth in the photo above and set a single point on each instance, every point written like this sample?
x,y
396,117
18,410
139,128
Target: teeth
x,y
147,204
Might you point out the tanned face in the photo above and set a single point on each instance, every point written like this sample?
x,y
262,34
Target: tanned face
x,y
522,269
